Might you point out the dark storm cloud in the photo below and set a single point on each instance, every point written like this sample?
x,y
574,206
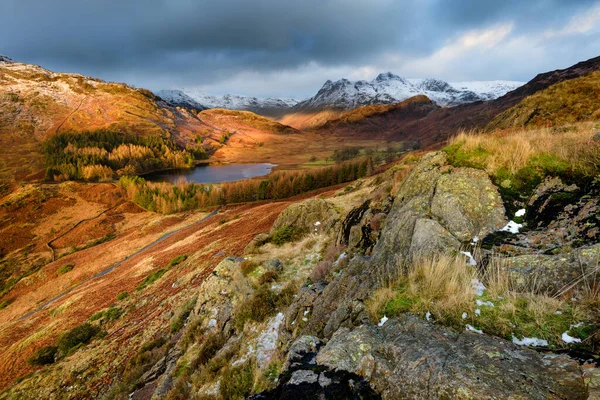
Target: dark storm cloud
x,y
174,42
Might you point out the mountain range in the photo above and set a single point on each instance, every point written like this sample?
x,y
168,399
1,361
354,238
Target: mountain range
x,y
386,88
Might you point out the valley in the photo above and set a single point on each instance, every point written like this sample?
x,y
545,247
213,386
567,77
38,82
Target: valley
x,y
394,236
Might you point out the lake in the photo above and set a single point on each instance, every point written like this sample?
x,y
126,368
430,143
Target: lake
x,y
212,173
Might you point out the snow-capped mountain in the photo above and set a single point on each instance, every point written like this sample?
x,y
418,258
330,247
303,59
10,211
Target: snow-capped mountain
x,y
194,98
343,94
388,88
179,98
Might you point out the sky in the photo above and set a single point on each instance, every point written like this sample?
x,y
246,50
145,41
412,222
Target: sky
x,y
286,48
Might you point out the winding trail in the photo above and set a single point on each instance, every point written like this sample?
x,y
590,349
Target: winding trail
x,y
115,265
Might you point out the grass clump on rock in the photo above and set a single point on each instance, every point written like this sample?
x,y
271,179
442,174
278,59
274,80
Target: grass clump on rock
x,y
284,235
182,315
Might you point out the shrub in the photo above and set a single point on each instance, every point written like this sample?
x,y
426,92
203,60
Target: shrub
x,y
247,267
177,260
44,356
76,337
122,296
65,268
257,308
285,234
150,279
320,271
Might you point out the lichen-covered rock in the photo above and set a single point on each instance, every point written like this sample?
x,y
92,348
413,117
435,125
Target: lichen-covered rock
x,y
309,216
413,359
273,265
303,379
468,204
429,237
423,178
255,243
553,273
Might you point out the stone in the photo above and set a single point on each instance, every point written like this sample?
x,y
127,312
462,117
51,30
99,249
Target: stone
x,y
256,243
411,358
273,265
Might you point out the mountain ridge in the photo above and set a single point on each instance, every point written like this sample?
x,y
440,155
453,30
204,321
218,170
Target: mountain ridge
x,y
344,95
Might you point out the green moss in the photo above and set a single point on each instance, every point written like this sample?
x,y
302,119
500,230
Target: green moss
x,y
400,304
182,315
459,158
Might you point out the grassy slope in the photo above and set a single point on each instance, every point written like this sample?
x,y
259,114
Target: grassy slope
x,y
566,102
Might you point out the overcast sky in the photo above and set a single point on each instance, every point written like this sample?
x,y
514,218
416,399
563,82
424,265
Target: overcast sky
x,y
289,48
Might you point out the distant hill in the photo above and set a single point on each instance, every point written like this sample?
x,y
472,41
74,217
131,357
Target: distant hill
x,y
566,102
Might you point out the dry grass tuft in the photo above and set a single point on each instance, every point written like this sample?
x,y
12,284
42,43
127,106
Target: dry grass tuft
x,y
443,287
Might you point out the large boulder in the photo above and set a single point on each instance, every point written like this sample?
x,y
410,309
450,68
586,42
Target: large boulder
x,y
410,358
309,216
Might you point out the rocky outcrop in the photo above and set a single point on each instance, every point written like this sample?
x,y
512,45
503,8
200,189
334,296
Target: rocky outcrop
x,y
412,359
416,225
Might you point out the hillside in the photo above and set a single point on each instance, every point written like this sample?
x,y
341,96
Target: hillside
x,y
566,102
37,104
40,108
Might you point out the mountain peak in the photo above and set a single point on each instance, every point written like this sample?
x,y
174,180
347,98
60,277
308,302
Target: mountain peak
x,y
386,76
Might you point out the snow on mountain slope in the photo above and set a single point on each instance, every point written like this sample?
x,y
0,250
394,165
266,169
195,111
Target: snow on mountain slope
x,y
488,89
388,88
187,97
4,58
179,98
